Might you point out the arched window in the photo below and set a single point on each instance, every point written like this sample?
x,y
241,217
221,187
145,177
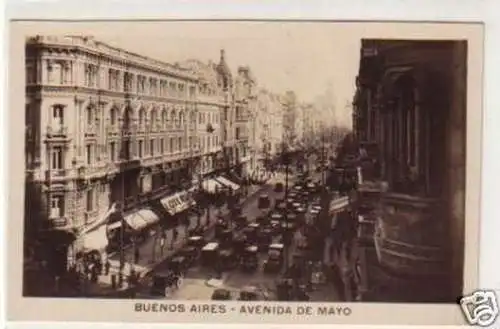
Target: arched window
x,y
89,115
142,116
112,116
153,118
164,117
127,117
181,118
173,117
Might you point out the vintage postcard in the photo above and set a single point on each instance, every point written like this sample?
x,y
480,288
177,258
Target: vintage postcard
x,y
244,171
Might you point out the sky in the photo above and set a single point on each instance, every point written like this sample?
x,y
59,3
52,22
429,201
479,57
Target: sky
x,y
312,59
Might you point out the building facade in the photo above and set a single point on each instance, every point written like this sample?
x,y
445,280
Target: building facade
x,y
269,125
210,105
409,113
108,129
245,106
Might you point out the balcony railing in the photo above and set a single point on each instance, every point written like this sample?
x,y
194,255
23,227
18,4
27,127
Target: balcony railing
x,y
153,160
59,222
54,174
91,130
57,131
409,235
112,130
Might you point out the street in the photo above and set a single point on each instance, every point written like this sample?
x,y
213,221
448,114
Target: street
x,y
200,282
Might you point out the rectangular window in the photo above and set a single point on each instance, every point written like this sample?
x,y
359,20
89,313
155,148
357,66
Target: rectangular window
x,y
88,154
162,146
90,200
140,147
58,115
179,142
171,149
152,147
56,206
112,151
57,158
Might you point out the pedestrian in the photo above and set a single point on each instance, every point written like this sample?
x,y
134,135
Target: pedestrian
x,y
107,266
163,239
136,255
175,235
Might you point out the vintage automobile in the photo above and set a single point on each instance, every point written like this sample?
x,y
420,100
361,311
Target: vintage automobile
x,y
196,241
220,226
240,221
262,220
228,260
209,254
250,259
221,294
250,293
163,280
300,210
275,257
311,187
264,202
284,290
239,243
279,187
280,206
191,254
265,238
225,237
179,264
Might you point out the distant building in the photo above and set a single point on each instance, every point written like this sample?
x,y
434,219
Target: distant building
x,y
409,115
269,125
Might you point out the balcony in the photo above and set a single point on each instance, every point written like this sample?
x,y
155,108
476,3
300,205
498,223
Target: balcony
x,y
409,235
91,130
56,174
153,160
59,223
57,133
96,170
112,130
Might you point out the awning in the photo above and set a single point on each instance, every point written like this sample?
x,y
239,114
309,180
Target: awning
x,y
339,204
141,219
212,186
226,182
96,239
178,202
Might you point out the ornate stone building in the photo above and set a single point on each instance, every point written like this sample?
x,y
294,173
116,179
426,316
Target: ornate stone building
x,y
268,125
210,106
409,113
104,127
245,104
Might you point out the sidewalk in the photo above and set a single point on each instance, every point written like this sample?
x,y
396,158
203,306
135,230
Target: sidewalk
x,y
150,251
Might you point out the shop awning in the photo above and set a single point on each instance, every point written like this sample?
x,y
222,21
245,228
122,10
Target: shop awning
x,y
178,202
212,186
96,239
226,182
339,204
141,219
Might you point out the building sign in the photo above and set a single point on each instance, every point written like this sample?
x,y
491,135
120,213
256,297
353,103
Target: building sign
x,y
178,202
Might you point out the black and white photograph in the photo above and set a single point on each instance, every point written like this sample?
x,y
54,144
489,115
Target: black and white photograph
x,y
254,161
